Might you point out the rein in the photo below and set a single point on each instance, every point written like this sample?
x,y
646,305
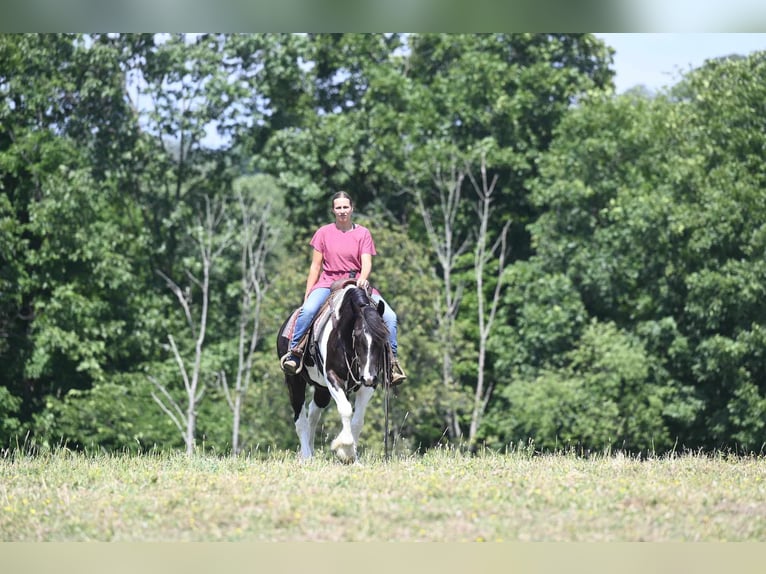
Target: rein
x,y
355,358
350,367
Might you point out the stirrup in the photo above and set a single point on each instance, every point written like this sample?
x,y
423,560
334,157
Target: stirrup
x,y
398,376
287,365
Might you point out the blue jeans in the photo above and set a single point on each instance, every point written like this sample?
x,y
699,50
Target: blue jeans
x,y
315,300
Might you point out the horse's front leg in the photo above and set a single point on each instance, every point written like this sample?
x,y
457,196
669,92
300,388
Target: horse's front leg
x,y
343,445
362,399
307,415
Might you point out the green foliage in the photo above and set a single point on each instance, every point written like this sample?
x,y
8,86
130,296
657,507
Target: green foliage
x,y
116,415
10,426
746,410
542,318
79,309
633,314
654,210
510,89
603,397
82,266
13,275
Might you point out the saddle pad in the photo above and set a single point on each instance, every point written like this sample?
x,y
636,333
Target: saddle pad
x,y
290,326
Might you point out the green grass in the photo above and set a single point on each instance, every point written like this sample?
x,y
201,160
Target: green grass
x,y
441,496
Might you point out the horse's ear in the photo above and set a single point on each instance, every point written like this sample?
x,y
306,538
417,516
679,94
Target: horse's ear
x,y
381,308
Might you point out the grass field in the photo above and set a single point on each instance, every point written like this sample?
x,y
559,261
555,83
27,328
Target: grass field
x,y
440,496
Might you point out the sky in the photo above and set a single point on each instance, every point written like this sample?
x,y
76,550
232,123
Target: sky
x,y
695,15
657,60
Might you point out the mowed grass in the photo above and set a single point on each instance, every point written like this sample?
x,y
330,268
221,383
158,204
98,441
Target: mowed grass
x,y
440,496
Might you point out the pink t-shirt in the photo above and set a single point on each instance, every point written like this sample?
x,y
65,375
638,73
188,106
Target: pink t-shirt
x,y
341,252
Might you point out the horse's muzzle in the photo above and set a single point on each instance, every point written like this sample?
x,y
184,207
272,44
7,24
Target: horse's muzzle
x,y
370,381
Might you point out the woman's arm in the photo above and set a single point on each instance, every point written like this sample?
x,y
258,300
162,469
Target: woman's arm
x,y
314,271
364,273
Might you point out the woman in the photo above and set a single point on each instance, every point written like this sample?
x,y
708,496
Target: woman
x,y
339,248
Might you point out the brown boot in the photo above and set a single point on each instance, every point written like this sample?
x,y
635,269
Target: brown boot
x,y
397,373
292,361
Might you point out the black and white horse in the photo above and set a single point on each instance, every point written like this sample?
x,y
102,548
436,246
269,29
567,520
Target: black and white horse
x,y
347,353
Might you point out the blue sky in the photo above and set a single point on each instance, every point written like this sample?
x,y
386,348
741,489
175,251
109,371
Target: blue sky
x,y
657,60
695,15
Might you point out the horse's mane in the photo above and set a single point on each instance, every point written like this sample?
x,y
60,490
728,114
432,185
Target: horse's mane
x,y
375,323
357,299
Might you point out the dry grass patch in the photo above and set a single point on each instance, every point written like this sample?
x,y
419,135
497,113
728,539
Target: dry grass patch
x,y
442,496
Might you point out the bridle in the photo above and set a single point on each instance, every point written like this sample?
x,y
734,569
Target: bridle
x,y
354,363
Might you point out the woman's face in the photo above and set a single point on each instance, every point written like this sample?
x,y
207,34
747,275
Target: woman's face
x,y
342,209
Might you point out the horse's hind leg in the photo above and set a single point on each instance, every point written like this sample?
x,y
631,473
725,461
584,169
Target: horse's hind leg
x,y
316,408
302,429
314,414
296,386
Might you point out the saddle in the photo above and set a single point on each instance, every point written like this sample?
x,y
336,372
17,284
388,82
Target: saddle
x,y
323,315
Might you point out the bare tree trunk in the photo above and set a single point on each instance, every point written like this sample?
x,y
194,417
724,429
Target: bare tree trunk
x,y
442,237
443,242
210,246
482,255
257,237
255,247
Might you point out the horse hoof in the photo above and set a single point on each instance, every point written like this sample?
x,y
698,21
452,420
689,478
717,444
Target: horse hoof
x,y
345,457
346,453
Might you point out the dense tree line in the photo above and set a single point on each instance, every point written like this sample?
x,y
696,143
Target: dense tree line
x,y
570,267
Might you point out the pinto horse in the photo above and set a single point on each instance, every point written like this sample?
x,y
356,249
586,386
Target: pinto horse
x,y
347,353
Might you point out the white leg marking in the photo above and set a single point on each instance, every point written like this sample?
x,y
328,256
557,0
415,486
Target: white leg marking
x,y
343,444
362,399
302,428
313,420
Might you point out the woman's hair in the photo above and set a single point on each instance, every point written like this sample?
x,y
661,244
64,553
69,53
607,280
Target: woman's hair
x,y
341,195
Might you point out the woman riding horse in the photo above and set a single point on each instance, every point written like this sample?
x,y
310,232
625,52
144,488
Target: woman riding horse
x,y
349,352
340,248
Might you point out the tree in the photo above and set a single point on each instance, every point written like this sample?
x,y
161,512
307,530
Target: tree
x,y
448,247
211,241
512,89
258,202
180,90
652,212
377,114
483,255
464,91
113,416
602,398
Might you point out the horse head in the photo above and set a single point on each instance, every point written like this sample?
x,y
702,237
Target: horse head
x,y
369,339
